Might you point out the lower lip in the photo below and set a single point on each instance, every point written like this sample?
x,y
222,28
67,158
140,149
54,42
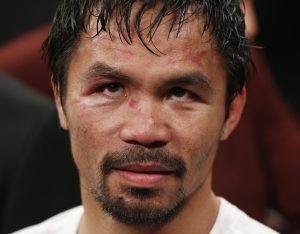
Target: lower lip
x,y
142,180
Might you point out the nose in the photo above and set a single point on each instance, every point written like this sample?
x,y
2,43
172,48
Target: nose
x,y
146,126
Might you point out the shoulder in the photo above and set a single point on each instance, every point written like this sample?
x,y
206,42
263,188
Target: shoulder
x,y
23,108
24,115
63,223
232,220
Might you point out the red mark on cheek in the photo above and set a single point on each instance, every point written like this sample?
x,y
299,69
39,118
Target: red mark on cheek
x,y
133,103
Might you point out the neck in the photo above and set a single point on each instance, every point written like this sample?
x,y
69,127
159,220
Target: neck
x,y
197,216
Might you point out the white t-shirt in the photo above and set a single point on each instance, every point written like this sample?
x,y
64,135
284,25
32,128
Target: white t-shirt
x,y
230,220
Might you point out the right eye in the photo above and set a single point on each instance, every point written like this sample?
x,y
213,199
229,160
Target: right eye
x,y
111,90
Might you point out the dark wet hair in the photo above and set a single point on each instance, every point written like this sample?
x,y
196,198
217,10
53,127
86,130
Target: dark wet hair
x,y
223,19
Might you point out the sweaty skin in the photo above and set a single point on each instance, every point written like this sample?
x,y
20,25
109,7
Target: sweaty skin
x,y
121,96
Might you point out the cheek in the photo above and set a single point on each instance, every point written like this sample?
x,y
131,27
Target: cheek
x,y
201,146
201,156
84,147
199,135
92,127
199,128
90,137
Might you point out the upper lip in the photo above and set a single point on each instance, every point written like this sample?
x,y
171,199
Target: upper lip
x,y
140,168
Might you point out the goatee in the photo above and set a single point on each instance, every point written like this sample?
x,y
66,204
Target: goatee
x,y
143,208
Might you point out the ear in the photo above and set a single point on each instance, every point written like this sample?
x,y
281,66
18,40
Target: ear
x,y
252,27
59,106
235,112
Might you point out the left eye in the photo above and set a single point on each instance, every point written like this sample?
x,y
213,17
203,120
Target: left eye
x,y
180,94
111,90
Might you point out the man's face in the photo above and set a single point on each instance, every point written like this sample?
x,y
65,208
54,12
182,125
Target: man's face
x,y
145,128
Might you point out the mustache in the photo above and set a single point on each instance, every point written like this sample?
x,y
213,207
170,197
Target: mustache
x,y
138,155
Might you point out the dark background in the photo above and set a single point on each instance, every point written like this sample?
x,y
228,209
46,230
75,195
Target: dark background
x,y
17,17
279,35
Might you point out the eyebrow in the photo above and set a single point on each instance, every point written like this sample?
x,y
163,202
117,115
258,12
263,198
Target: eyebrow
x,y
102,69
192,78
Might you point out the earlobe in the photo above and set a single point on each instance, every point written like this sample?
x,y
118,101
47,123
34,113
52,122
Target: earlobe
x,y
235,112
59,106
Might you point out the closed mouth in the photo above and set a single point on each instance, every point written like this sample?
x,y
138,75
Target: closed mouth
x,y
146,169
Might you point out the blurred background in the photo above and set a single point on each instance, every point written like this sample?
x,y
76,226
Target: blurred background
x,y
279,34
18,17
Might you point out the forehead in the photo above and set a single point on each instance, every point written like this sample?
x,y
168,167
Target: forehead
x,y
190,49
189,43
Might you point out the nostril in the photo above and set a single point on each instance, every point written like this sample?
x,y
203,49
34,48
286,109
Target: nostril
x,y
157,144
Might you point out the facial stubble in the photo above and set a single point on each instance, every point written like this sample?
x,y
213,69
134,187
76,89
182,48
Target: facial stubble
x,y
137,206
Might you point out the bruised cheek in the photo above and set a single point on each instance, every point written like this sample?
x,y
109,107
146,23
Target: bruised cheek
x,y
93,128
